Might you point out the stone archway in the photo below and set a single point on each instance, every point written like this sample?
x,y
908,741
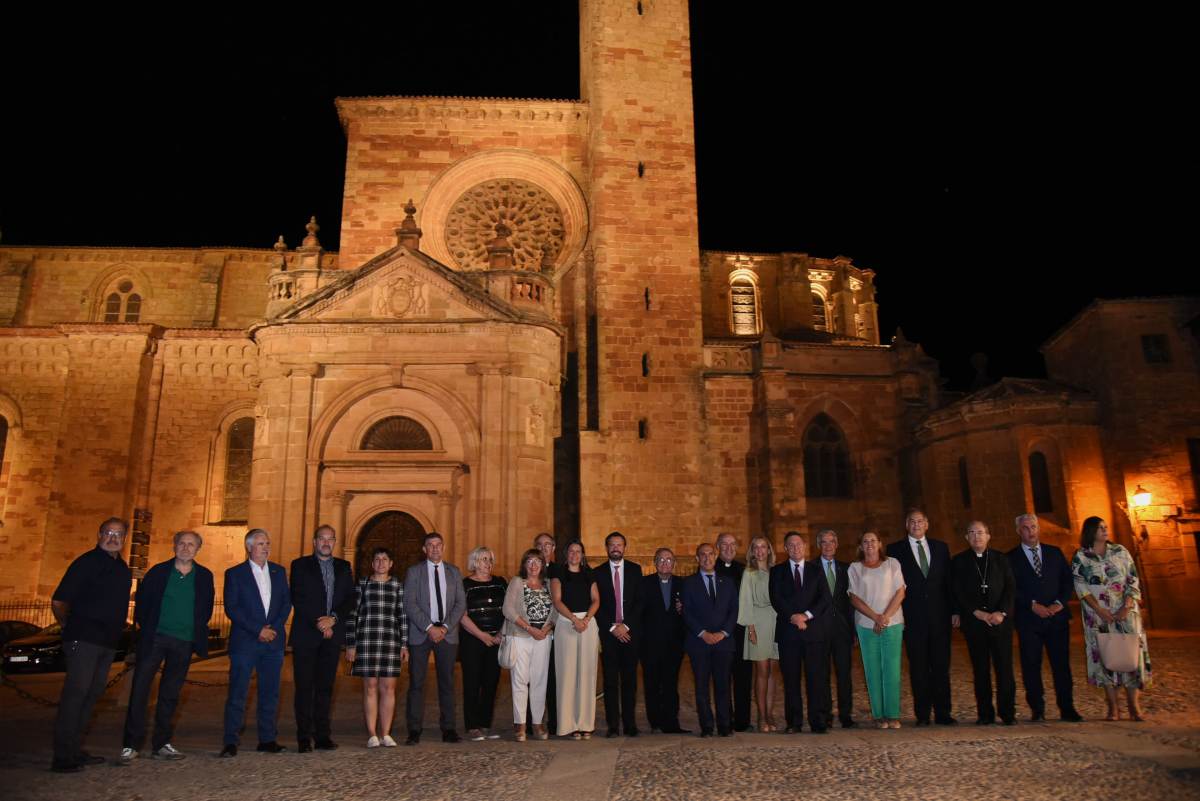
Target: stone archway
x,y
400,532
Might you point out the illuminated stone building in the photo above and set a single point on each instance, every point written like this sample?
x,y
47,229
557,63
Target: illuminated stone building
x,y
518,334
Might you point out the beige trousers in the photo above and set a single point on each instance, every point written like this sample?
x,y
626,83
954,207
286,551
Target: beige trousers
x,y
575,664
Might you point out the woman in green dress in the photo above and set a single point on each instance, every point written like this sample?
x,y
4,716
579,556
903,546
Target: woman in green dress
x,y
1106,581
758,616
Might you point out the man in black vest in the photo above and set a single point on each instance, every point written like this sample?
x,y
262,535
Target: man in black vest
x,y
742,670
322,588
841,629
1044,586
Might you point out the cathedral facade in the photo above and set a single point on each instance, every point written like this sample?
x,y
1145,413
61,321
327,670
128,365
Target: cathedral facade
x,y
518,334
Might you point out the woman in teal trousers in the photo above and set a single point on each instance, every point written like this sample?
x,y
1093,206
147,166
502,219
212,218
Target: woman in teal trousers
x,y
876,590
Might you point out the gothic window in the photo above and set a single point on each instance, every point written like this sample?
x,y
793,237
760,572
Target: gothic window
x,y
820,317
964,482
239,450
1039,479
122,304
3,440
397,434
744,317
1193,446
826,460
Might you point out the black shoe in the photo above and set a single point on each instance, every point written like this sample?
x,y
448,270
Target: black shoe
x,y
724,732
849,724
984,721
66,767
304,747
1037,715
742,727
922,722
1071,716
613,733
946,721
230,750
90,759
271,748
633,732
705,732
676,730
414,737
451,736
325,744
1008,721
819,730
792,730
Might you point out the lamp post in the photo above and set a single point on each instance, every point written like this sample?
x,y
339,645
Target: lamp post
x,y
1140,499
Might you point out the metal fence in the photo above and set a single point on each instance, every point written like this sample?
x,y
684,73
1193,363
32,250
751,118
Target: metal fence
x,y
39,614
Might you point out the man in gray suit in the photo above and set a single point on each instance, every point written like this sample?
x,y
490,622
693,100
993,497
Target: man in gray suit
x,y
435,601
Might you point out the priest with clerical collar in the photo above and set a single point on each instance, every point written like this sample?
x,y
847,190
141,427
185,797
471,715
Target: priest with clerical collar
x,y
983,585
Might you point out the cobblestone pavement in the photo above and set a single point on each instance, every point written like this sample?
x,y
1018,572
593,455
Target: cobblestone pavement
x,y
1051,760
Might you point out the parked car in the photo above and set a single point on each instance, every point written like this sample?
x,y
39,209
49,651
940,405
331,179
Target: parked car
x,y
43,651
14,630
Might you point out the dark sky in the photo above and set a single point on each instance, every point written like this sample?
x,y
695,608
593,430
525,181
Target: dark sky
x,y
996,173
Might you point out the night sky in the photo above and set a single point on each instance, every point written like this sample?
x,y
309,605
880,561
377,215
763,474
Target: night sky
x,y
997,174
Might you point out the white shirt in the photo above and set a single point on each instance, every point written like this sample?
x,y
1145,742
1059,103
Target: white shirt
x,y
619,569
800,565
433,599
912,543
262,577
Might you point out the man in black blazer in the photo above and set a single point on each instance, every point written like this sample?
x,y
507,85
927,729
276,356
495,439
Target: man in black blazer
x,y
662,643
929,617
620,585
804,613
710,608
742,670
1044,586
322,588
983,585
841,628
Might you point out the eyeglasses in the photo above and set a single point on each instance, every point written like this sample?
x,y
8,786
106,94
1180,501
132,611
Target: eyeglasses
x,y
112,533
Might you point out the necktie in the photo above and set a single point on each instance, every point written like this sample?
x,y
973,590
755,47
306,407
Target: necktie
x,y
712,590
796,577
922,558
829,576
1037,561
617,595
437,592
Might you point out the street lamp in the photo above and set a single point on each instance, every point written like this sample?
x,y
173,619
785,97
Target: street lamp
x,y
1141,497
1140,500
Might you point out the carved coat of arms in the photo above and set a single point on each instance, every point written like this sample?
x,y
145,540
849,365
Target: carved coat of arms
x,y
400,297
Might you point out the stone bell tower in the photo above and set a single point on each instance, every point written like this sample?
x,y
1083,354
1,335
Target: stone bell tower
x,y
642,444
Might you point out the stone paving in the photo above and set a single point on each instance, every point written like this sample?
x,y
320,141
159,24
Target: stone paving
x,y
1051,760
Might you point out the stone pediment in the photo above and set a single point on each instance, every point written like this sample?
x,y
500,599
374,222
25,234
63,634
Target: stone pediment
x,y
400,285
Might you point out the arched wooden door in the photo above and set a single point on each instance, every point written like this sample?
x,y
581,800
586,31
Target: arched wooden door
x,y
399,532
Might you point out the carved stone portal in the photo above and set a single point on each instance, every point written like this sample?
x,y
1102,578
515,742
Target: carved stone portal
x,y
533,216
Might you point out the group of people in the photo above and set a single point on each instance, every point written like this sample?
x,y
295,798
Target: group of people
x,y
556,624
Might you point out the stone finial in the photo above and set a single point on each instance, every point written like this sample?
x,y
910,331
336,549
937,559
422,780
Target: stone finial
x,y
899,339
311,240
408,234
500,252
280,249
547,265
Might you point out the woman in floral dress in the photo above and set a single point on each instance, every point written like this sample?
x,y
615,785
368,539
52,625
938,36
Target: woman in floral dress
x,y
1106,581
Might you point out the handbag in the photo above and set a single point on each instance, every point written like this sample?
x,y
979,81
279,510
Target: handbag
x,y
1119,652
505,655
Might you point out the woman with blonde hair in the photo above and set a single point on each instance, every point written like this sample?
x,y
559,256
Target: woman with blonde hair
x,y
478,644
758,616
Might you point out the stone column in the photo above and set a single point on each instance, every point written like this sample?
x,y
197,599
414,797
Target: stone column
x,y
338,501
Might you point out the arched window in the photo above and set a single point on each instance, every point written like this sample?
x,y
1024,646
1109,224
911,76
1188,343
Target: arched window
x,y
1039,479
122,304
397,434
744,318
239,452
826,460
820,316
3,442
964,482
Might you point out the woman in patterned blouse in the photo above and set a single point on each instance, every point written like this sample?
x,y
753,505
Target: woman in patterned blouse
x,y
377,644
529,620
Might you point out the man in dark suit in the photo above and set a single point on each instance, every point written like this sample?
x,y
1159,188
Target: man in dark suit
x,y
323,596
1044,586
619,582
435,601
742,670
929,617
841,628
257,602
983,590
662,643
174,603
710,605
800,596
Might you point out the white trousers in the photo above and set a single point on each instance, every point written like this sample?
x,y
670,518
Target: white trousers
x,y
530,670
575,664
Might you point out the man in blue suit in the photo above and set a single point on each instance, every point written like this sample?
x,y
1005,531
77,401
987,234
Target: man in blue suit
x,y
709,617
258,603
1043,621
804,614
930,614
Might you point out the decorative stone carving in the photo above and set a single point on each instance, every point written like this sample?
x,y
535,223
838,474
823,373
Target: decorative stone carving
x,y
535,426
528,211
402,296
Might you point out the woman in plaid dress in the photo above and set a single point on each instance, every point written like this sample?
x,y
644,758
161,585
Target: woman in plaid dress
x,y
377,644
